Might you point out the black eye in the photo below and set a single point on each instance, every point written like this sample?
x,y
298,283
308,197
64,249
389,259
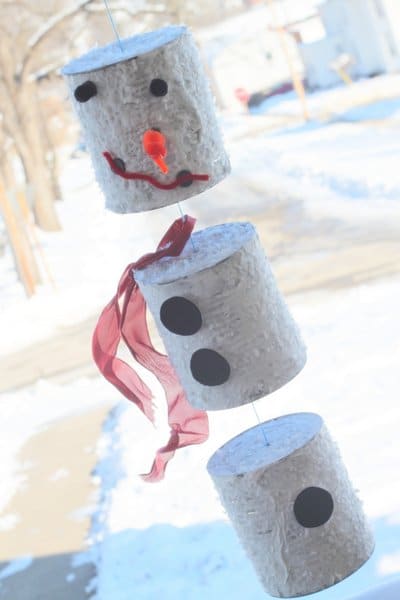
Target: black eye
x,y
180,316
84,92
158,87
313,507
120,164
186,179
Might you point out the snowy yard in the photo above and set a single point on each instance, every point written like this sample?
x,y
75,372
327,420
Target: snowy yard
x,y
172,539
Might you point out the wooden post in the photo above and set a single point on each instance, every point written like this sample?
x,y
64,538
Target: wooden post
x,y
18,244
29,222
345,77
296,79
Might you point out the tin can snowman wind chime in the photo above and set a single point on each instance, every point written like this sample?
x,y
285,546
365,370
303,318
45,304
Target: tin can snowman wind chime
x,y
148,119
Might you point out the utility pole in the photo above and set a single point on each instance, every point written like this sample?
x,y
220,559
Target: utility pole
x,y
22,251
296,79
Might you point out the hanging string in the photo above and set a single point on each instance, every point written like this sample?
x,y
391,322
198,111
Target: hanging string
x,y
180,210
182,215
259,422
113,25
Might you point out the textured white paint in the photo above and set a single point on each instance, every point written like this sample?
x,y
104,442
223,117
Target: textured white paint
x,y
226,275
258,486
117,117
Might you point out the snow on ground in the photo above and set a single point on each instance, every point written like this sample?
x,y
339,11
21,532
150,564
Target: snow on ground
x,y
16,566
86,259
31,410
172,539
375,98
321,164
344,167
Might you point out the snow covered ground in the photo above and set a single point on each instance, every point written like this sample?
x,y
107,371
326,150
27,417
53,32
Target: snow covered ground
x,y
172,540
29,411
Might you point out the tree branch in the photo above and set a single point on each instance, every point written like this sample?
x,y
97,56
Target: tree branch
x,y
123,7
46,29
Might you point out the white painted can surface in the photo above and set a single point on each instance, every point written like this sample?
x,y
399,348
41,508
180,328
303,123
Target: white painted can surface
x,y
115,118
292,505
225,277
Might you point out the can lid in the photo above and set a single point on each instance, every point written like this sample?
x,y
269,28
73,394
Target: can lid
x,y
207,248
248,451
127,48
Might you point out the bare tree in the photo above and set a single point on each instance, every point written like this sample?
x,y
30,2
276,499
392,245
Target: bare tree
x,y
24,31
15,215
35,38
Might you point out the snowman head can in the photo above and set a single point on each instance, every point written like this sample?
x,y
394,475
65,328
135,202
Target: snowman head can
x,y
148,120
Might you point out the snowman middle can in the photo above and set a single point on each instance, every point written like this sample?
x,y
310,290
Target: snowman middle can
x,y
224,323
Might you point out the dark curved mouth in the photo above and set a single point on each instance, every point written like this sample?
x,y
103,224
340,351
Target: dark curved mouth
x,y
183,179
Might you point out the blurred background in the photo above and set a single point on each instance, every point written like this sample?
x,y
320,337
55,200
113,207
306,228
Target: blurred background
x,y
308,98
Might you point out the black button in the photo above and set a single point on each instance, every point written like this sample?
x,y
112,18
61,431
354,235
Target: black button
x,y
313,507
180,316
120,164
209,368
188,181
84,92
158,87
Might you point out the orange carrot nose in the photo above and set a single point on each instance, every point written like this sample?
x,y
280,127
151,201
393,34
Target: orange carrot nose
x,y
155,146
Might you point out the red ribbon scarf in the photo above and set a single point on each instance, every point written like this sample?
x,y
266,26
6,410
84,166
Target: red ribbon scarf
x,y
188,425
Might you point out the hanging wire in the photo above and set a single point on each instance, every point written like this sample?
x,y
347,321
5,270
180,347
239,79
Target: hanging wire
x,y
113,25
259,421
180,210
183,216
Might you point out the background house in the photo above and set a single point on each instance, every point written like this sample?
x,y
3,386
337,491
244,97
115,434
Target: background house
x,y
363,35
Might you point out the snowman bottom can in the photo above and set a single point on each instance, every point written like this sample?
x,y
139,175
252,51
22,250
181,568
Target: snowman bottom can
x,y
292,505
223,321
